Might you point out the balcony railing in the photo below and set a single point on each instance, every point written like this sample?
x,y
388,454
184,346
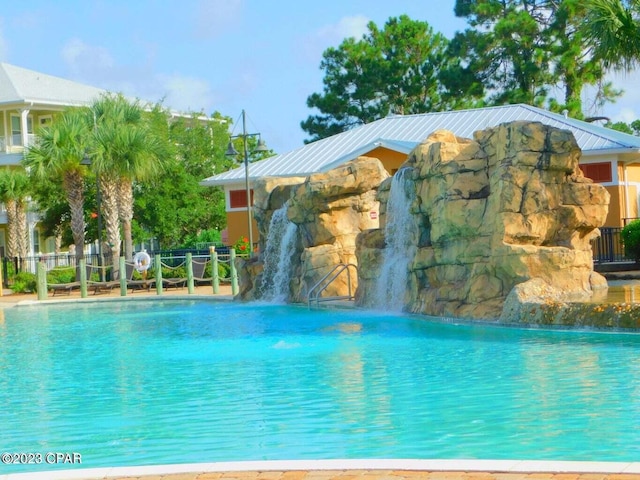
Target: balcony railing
x,y
13,143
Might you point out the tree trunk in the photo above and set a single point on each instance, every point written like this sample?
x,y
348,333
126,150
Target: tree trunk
x,y
74,188
58,241
125,210
109,208
12,234
22,229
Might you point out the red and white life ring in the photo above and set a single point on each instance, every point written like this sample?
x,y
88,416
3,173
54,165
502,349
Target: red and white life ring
x,y
141,261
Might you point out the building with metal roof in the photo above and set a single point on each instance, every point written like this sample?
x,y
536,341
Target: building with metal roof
x,y
608,156
30,100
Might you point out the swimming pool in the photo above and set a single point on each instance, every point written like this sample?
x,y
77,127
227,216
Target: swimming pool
x,y
168,381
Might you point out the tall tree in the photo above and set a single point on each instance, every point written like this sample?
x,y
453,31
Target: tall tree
x,y
125,149
49,199
612,29
519,50
14,190
389,70
504,51
60,149
174,207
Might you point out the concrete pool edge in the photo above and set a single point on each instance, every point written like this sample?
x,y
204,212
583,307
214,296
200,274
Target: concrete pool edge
x,y
129,298
456,465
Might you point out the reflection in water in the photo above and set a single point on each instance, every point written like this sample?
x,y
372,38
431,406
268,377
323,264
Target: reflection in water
x,y
126,382
619,291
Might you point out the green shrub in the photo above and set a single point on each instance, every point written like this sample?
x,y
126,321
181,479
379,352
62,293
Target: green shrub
x,y
630,235
24,282
178,272
61,275
223,270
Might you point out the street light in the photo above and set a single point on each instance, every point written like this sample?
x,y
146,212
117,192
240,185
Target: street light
x,y
232,152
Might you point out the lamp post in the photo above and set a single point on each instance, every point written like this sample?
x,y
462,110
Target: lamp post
x,y
232,152
87,161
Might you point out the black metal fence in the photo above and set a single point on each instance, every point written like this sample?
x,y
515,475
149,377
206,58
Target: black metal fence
x,y
173,258
608,247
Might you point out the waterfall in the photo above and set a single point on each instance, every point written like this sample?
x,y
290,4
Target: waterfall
x,y
400,247
280,246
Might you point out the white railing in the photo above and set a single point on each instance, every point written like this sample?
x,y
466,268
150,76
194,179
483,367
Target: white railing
x,y
15,140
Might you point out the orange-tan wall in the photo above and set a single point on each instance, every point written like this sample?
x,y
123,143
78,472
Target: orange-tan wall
x,y
632,196
391,160
633,172
616,208
238,227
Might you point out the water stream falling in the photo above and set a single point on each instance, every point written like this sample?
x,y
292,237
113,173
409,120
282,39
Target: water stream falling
x,y
400,247
278,254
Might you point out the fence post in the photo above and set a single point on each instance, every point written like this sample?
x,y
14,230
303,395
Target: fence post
x,y
215,277
189,260
123,277
158,263
83,278
41,281
234,273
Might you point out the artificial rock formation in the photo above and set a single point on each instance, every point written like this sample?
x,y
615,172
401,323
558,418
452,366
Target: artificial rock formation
x,y
504,209
330,210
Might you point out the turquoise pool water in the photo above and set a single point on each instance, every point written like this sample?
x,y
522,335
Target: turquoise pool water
x,y
156,382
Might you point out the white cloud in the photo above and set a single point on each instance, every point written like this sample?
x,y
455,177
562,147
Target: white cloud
x,y
354,26
626,115
4,47
213,17
186,93
311,47
81,57
95,65
627,108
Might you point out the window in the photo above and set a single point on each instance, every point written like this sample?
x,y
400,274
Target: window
x,y
16,129
598,172
238,198
36,241
45,120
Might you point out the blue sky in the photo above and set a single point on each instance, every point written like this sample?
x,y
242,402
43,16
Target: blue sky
x,y
205,55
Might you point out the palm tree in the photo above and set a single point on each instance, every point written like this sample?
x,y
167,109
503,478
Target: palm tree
x,y
14,189
59,152
126,150
612,29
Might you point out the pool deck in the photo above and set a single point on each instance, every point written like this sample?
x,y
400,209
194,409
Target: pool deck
x,y
10,299
356,470
320,469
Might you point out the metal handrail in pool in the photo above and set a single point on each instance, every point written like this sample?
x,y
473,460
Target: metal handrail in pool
x,y
341,267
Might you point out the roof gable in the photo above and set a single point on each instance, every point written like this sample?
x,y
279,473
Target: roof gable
x,y
20,85
404,132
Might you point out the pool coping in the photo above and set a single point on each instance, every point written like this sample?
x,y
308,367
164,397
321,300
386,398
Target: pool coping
x,y
128,298
437,465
